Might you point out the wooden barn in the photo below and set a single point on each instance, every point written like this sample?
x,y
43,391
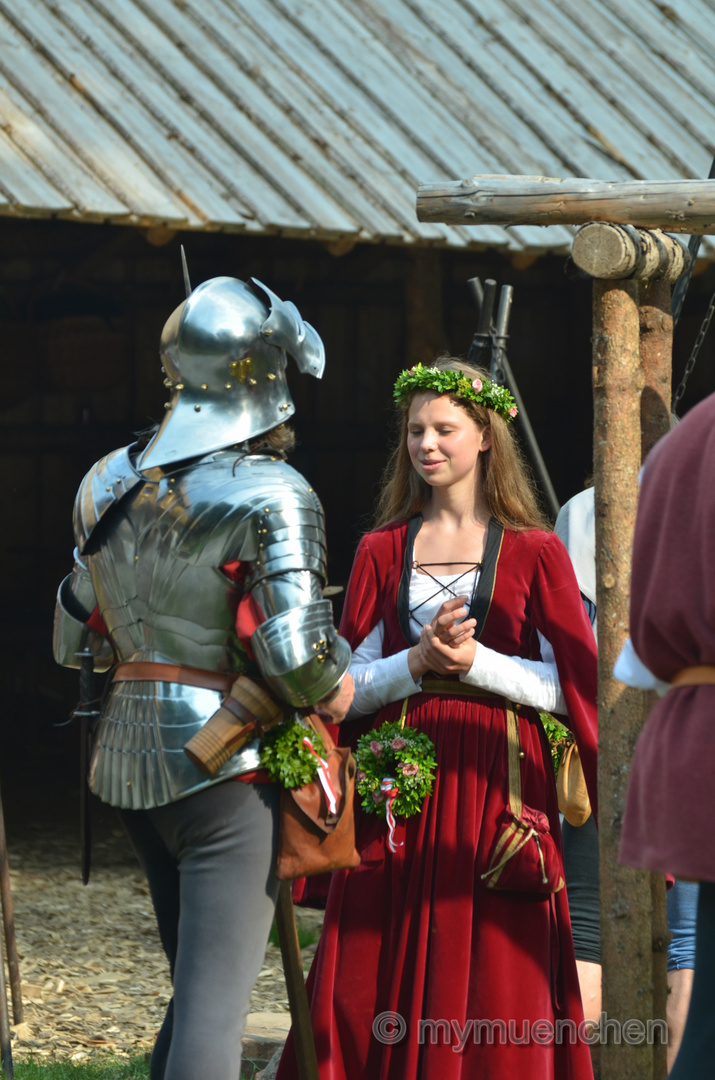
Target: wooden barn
x,y
285,139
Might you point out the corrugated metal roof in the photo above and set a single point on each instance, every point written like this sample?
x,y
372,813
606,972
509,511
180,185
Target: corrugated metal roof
x,y
318,118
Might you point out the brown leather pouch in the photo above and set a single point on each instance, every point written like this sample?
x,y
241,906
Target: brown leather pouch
x,y
312,840
574,802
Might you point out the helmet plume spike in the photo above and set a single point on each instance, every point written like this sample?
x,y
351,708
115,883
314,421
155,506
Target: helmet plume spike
x,y
185,268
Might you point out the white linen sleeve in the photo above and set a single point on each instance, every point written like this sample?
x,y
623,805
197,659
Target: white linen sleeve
x,y
529,682
379,679
630,669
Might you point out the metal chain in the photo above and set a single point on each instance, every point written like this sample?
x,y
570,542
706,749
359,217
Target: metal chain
x,y
694,354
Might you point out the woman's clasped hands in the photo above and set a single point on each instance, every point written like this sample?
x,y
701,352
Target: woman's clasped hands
x,y
446,646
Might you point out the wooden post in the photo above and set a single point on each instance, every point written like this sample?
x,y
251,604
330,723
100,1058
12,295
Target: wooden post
x,y
626,938
656,349
295,985
8,918
603,250
656,337
686,206
660,936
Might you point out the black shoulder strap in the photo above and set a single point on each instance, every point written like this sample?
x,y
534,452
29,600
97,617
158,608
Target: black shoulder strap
x,y
482,599
403,593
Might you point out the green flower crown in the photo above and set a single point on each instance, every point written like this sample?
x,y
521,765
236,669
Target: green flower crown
x,y
485,392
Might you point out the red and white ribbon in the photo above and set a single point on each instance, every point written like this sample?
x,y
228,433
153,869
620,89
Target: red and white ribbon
x,y
389,788
324,777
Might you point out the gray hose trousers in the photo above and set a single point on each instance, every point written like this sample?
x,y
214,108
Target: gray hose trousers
x,y
209,860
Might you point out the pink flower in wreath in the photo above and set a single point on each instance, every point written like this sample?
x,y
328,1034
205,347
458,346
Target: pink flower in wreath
x,y
477,384
513,410
408,768
376,748
398,743
378,796
360,775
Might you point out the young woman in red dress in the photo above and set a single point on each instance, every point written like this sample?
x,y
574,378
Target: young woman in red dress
x,y
423,972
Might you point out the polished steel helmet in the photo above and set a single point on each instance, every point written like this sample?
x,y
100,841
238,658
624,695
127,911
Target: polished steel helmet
x,y
224,354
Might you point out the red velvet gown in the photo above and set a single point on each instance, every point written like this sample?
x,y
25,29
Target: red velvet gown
x,y
417,933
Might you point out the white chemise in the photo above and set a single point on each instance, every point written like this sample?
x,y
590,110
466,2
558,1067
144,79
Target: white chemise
x,y
379,680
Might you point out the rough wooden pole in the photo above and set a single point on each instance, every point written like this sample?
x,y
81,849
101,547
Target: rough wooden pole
x,y
8,918
656,337
626,939
661,936
295,985
603,250
656,348
674,205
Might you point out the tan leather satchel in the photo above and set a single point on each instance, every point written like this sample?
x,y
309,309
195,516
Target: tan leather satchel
x,y
312,840
571,789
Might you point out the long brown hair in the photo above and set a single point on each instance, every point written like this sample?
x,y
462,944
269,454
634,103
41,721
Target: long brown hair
x,y
507,486
279,440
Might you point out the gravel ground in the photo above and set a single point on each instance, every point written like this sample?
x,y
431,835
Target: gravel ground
x,y
93,973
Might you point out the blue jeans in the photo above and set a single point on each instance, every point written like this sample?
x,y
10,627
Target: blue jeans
x,y
682,908
697,1050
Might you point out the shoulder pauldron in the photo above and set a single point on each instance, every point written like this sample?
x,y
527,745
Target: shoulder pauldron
x,y
106,483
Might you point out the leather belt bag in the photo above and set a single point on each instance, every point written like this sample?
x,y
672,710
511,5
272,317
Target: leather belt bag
x,y
571,789
311,840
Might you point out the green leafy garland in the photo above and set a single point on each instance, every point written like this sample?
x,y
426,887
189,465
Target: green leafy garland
x,y
380,753
405,755
559,737
485,392
284,757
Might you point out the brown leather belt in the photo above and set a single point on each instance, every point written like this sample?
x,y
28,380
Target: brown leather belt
x,y
148,671
457,689
700,675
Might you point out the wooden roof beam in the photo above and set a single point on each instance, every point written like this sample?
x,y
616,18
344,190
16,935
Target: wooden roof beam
x,y
686,206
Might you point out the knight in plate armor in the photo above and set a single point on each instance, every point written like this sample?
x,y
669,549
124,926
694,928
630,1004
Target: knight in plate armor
x,y
199,555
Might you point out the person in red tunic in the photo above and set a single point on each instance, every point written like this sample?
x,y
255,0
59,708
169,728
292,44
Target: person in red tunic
x,y
422,970
667,823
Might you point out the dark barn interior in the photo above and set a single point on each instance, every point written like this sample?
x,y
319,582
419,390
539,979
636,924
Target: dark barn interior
x,y
81,309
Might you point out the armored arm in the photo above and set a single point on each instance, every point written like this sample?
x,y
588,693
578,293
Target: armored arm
x,y
75,603
104,485
298,649
301,655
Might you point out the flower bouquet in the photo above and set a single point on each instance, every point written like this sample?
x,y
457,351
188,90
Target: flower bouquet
x,y
395,772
